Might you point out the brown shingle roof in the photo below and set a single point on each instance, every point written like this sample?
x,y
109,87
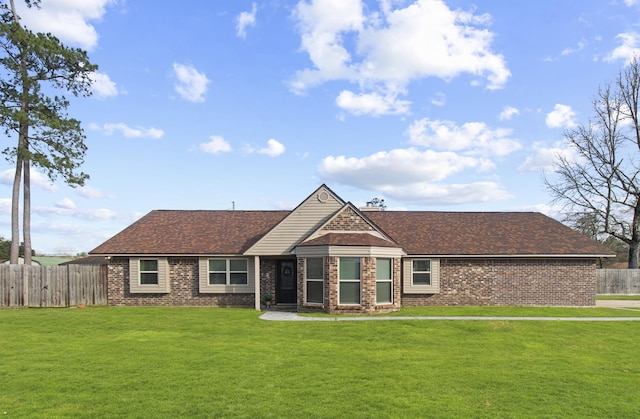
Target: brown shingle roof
x,y
418,233
483,233
349,239
164,232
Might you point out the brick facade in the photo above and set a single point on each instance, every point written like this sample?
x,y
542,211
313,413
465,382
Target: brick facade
x,y
183,277
368,288
512,282
470,282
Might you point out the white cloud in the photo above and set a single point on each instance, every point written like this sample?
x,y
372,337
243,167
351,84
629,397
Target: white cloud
x,y
371,103
629,48
246,19
128,132
5,205
631,2
472,137
103,86
412,175
66,203
384,51
395,167
192,84
86,214
215,145
38,180
274,148
89,192
439,99
562,116
568,51
448,194
66,19
508,112
544,158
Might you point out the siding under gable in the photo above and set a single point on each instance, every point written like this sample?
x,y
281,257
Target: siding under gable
x,y
305,219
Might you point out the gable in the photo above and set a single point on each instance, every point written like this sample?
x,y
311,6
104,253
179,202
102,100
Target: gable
x,y
306,218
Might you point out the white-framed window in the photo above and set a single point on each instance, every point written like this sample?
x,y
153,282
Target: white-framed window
x,y
384,281
228,272
350,280
314,276
421,272
148,273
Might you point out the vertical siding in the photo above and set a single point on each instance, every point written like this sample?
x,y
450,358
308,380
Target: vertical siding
x,y
310,215
163,276
203,278
407,271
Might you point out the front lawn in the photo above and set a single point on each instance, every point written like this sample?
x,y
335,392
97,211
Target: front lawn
x,y
207,362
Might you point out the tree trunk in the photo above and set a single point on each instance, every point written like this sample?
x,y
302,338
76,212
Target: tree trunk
x,y
26,216
15,217
634,243
633,255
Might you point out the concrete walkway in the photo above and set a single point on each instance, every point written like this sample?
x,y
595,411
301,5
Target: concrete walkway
x,y
618,304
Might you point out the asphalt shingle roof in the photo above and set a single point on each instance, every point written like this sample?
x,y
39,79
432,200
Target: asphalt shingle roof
x,y
167,232
483,233
417,232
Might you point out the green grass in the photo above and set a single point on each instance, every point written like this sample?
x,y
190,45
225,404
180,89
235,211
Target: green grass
x,y
618,297
498,312
207,362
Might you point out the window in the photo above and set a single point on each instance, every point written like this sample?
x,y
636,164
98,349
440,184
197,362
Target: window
x,y
421,272
315,280
384,281
228,272
349,278
148,272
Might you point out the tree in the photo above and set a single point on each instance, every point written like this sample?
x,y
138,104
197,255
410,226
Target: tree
x,y
603,179
377,203
36,64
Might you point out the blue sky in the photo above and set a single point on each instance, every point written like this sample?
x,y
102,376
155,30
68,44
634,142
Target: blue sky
x,y
430,104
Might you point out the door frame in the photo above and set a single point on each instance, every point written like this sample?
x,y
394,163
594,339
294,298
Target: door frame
x,y
286,296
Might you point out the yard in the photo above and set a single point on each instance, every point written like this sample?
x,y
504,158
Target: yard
x,y
208,362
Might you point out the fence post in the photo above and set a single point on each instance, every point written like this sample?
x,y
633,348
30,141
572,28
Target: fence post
x,y
25,285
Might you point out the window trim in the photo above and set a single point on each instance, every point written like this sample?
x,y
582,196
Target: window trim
x,y
163,284
389,280
409,287
340,281
204,287
307,280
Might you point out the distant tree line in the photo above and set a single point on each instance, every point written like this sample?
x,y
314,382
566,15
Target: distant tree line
x,y
5,249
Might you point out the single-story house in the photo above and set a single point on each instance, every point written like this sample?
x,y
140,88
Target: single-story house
x,y
328,255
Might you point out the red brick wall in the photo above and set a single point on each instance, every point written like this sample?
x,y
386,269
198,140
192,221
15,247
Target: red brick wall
x,y
512,282
183,276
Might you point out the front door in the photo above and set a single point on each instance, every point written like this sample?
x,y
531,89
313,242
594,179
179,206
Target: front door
x,y
286,283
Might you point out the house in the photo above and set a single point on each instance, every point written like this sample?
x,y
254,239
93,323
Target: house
x,y
327,255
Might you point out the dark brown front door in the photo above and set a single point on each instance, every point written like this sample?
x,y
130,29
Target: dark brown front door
x,y
286,282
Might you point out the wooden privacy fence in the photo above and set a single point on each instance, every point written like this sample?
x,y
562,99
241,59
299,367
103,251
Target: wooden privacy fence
x,y
618,281
52,286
